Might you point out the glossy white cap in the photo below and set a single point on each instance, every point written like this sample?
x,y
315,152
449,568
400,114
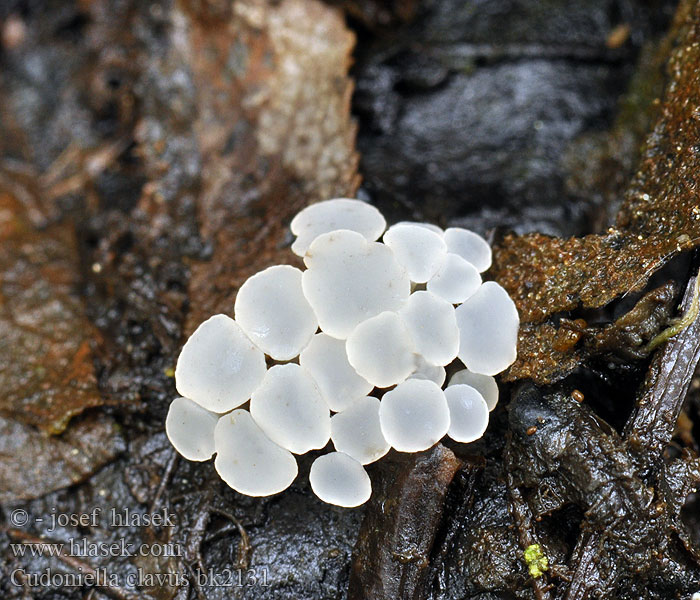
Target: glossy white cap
x,y
381,350
339,479
417,249
190,429
470,246
247,460
331,215
488,327
414,416
455,281
219,367
469,415
289,408
272,310
356,431
327,362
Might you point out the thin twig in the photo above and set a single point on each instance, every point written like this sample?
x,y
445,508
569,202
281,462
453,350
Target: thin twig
x,y
650,427
523,519
165,479
244,545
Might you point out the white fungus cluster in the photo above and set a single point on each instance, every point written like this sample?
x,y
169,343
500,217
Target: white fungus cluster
x,y
313,351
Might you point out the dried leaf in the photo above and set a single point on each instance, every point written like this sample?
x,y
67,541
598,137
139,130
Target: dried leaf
x,y
33,464
659,219
275,130
46,371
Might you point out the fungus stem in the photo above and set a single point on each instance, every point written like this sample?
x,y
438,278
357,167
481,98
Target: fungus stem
x,y
678,325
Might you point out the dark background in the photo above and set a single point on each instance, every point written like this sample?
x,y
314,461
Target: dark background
x,y
157,199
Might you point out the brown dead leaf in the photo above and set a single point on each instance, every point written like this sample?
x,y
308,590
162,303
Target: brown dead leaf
x,y
33,464
659,219
275,131
46,371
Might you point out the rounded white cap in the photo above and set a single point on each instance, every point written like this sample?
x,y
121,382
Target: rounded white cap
x,y
272,310
418,249
455,281
247,460
425,370
327,362
484,384
470,246
339,479
432,323
469,415
289,408
331,215
350,280
414,416
381,350
430,226
190,429
219,367
357,433
488,326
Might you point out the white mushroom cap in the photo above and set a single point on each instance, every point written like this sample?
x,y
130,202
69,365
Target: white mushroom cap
x,y
484,384
190,429
414,415
430,226
289,408
272,310
381,350
331,215
327,362
219,367
339,479
470,246
425,370
350,280
488,326
418,249
456,279
357,433
432,323
469,415
247,460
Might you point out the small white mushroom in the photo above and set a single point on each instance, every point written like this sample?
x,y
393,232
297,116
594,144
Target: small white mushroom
x,y
432,323
190,429
484,384
430,226
381,350
425,370
327,362
488,327
357,433
219,367
456,279
350,280
247,460
289,408
414,415
331,215
339,479
469,415
470,246
418,249
272,310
